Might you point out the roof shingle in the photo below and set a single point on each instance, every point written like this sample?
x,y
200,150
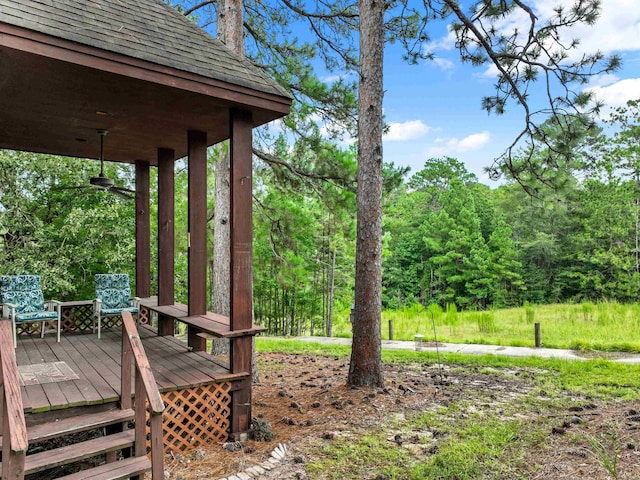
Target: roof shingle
x,y
144,29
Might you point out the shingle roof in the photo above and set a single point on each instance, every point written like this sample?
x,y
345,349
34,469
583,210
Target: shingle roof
x,y
144,29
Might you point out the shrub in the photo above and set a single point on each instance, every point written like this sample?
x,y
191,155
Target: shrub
x,y
451,317
486,322
529,312
262,431
587,311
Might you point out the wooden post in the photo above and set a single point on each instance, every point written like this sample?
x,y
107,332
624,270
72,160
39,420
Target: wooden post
x,y
143,231
390,329
166,240
197,233
536,327
241,311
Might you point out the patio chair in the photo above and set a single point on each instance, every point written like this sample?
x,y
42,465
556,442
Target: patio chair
x,y
23,302
113,296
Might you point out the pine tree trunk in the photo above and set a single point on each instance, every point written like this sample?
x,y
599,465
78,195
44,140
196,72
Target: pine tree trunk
x,y
231,32
332,282
234,26
314,303
221,248
221,223
366,362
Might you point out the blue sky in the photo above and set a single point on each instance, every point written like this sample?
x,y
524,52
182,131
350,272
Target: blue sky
x,y
433,108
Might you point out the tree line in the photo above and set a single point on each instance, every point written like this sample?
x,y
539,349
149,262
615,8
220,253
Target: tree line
x,y
447,239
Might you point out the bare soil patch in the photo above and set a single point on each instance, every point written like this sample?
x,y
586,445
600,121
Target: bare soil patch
x,y
307,402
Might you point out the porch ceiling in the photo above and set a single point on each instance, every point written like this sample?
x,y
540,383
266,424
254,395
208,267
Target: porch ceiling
x,y
55,94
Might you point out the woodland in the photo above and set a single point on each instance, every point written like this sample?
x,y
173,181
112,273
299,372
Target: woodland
x,y
338,228
447,239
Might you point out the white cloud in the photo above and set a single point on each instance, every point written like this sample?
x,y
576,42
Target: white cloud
x,y
444,63
448,42
443,44
409,130
616,30
473,142
490,72
448,146
603,80
331,78
617,94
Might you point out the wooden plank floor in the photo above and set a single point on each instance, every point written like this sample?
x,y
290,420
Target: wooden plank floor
x,y
97,364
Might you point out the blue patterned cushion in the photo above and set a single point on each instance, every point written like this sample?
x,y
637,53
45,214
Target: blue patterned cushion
x,y
23,291
117,311
113,290
24,317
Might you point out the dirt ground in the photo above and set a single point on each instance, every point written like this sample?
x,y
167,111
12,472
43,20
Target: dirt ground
x,y
307,403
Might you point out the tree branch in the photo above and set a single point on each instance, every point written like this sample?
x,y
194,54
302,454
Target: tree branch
x,y
198,6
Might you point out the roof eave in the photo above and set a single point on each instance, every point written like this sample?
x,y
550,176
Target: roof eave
x,y
52,47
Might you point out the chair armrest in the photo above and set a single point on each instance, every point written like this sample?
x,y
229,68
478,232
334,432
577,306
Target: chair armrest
x,y
7,308
135,302
53,305
97,306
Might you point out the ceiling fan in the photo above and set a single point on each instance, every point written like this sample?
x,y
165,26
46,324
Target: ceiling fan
x,y
102,181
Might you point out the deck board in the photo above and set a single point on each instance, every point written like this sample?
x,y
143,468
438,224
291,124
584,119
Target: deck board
x,y
104,382
69,390
75,361
97,364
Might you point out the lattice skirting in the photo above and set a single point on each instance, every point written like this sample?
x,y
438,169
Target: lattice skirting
x,y
78,318
196,416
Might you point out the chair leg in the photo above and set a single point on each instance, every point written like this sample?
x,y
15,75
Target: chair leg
x,y
15,336
58,330
99,325
42,325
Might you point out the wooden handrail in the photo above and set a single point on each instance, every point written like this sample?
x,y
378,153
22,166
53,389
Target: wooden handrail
x,y
146,390
13,423
142,364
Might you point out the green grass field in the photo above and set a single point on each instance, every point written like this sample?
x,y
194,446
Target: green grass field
x,y
606,326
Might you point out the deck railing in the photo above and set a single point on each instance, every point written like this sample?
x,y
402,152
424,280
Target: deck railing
x,y
146,392
14,429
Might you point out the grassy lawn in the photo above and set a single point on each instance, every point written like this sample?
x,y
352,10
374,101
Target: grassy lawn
x,y
478,435
587,326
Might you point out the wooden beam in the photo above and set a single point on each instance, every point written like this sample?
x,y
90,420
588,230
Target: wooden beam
x,y
143,231
166,226
241,311
197,232
241,222
166,236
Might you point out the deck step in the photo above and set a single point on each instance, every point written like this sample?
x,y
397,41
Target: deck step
x,y
78,451
120,470
81,423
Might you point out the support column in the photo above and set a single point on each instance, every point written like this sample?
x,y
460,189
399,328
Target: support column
x,y
166,236
241,314
143,231
197,240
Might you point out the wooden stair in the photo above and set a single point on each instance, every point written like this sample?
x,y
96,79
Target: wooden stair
x,y
76,452
120,470
17,439
80,423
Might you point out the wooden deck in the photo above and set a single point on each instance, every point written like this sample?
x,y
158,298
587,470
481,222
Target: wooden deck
x,y
97,364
